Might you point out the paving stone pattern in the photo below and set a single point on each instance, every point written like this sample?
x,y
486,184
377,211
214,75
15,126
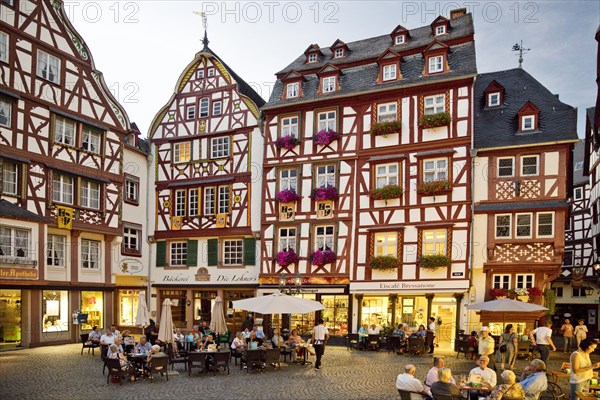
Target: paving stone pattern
x,y
62,373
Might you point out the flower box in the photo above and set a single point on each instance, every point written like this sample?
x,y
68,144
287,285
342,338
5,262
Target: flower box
x,y
434,262
322,257
287,142
434,120
384,263
324,193
385,128
497,292
433,187
387,192
287,257
287,196
325,136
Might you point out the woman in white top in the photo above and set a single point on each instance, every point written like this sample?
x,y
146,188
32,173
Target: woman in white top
x,y
238,343
582,369
580,331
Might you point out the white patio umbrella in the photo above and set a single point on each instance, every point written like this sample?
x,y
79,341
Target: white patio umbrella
x,y
504,306
165,331
278,303
141,318
217,322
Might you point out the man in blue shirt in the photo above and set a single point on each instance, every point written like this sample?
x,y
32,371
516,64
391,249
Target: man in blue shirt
x,y
533,380
143,347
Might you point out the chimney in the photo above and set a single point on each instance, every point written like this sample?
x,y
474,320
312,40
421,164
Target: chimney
x,y
459,12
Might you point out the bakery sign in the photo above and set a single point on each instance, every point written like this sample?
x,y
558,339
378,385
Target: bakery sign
x,y
203,275
17,273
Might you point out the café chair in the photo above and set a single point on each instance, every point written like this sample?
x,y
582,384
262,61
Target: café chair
x,y
405,394
235,355
159,365
373,342
272,358
176,358
353,341
252,359
221,359
553,392
87,345
196,359
114,369
393,344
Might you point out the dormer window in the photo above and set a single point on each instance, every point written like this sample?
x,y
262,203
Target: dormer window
x,y
292,90
494,99
328,84
400,39
436,64
339,53
527,122
528,117
389,72
211,72
312,58
440,30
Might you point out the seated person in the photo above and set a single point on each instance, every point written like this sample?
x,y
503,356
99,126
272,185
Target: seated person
x,y
408,383
399,332
196,336
115,331
422,331
108,338
95,335
258,334
473,345
143,347
509,389
246,333
294,342
373,330
533,379
114,348
444,387
208,342
113,352
179,340
128,341
239,343
433,374
277,340
252,342
153,353
362,335
488,378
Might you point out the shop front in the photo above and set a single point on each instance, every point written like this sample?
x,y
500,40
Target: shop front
x,y
10,318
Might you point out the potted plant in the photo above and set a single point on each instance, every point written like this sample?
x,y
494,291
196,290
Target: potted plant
x,y
287,196
287,257
287,142
322,257
324,193
498,292
384,263
326,136
429,188
434,261
386,127
429,121
387,192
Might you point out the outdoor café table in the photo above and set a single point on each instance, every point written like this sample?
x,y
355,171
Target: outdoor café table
x,y
585,396
558,374
304,361
138,360
465,387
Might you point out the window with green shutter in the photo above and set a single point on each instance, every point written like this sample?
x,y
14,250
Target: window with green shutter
x,y
161,253
249,251
213,252
192,253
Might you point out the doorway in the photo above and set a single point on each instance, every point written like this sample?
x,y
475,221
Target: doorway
x,y
10,318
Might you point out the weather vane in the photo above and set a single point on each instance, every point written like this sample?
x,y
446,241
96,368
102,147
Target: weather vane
x,y
205,25
519,47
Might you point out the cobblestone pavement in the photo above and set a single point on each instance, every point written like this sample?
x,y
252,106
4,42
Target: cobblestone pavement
x,y
62,373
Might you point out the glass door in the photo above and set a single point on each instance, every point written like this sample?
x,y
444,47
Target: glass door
x,y
10,318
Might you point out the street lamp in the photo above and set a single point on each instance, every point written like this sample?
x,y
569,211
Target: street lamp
x,y
588,291
295,288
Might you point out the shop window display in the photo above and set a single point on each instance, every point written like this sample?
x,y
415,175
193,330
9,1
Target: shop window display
x,y
335,314
55,311
10,316
304,323
92,304
128,305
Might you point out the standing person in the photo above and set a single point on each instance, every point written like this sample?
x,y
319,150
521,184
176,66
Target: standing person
x,y
430,335
568,332
485,347
151,332
580,331
320,336
582,369
510,342
248,323
542,338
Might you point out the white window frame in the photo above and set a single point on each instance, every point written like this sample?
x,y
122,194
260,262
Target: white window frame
x,y
289,126
578,292
327,120
45,65
131,238
217,108
437,105
537,165
13,241
338,53
10,178
89,194
385,176
178,254
233,252
400,39
182,152
132,190
436,173
208,200
200,74
439,244
386,244
537,223
287,239
435,64
524,281
325,237
503,281
204,111
517,225
193,202
387,112
326,175
312,58
328,84
493,99
389,72
292,90
525,119
509,235
55,251
179,208
578,193
288,179
62,188
219,147
190,112
5,112
210,72
91,140
64,131
440,30
91,253
499,167
224,195
4,47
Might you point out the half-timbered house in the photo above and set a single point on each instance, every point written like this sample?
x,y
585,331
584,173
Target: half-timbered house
x,y
61,155
367,179
207,149
524,137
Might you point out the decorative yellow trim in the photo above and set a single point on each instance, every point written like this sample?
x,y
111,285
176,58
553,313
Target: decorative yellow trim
x,y
188,75
251,106
222,70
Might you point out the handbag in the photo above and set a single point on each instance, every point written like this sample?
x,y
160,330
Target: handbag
x,y
503,348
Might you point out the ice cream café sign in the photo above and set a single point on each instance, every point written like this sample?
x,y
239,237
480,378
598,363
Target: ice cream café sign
x,y
202,275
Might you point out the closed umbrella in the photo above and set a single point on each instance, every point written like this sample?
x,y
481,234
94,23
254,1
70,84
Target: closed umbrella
x,y
165,331
506,305
141,318
217,322
278,303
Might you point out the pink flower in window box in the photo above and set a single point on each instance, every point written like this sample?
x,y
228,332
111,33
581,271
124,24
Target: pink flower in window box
x,y
324,193
287,257
322,257
287,142
326,136
287,196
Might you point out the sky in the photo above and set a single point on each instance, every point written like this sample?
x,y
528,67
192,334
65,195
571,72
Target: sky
x,y
143,46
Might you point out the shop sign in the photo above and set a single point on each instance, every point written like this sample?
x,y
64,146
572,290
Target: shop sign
x,y
287,211
221,220
308,280
325,209
421,286
64,217
202,275
131,266
176,223
16,273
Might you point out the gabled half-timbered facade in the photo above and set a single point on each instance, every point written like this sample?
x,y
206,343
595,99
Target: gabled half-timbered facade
x,y
61,155
524,137
207,147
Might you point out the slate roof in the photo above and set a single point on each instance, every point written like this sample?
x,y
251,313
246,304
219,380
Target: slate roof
x,y
578,156
524,205
10,210
498,126
590,114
